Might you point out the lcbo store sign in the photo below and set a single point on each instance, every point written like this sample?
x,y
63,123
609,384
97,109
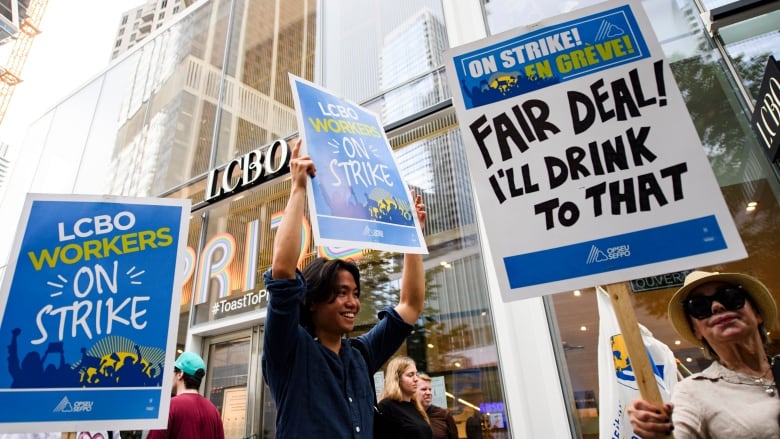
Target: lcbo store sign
x,y
766,115
253,168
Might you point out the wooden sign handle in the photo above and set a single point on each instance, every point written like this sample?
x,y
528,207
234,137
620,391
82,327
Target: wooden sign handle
x,y
637,353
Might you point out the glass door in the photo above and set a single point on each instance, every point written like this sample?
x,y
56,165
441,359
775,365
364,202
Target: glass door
x,y
233,380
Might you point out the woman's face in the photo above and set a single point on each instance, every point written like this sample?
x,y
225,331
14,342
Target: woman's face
x,y
408,382
724,325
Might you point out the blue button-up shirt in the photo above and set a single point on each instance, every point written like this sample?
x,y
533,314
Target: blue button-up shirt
x,y
319,394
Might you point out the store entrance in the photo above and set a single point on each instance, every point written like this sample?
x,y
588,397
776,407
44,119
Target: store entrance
x,y
234,382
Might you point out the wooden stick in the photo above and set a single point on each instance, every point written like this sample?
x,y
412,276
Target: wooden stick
x,y
637,353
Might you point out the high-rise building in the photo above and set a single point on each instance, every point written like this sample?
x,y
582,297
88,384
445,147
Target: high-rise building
x,y
137,23
12,12
413,48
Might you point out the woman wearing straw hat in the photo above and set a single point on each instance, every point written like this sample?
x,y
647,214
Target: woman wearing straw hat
x,y
728,315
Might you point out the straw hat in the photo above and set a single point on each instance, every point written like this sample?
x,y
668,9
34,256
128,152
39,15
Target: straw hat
x,y
758,292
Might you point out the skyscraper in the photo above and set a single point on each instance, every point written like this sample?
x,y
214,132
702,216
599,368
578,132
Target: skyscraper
x,y
413,48
137,23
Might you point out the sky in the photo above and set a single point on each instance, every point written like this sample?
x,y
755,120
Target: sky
x,y
75,44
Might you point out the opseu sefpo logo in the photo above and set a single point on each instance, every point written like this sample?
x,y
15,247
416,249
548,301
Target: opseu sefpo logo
x,y
598,255
65,406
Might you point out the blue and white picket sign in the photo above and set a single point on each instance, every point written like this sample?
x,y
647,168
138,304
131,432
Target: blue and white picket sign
x,y
587,167
358,198
89,307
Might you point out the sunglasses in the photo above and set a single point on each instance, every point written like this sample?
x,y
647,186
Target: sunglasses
x,y
700,307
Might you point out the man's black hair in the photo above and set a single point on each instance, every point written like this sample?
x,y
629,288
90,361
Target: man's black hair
x,y
191,381
321,277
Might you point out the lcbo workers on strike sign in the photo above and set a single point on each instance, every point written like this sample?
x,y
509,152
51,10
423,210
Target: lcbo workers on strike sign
x,y
587,167
89,305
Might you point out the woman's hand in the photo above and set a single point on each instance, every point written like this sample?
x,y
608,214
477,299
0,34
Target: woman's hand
x,y
650,421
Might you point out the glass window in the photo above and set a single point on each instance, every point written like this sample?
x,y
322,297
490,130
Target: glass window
x,y
397,43
235,252
257,104
163,114
749,44
227,384
454,341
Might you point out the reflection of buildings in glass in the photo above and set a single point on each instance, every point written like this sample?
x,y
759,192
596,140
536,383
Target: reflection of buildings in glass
x,y
756,46
436,167
158,149
5,167
413,48
139,22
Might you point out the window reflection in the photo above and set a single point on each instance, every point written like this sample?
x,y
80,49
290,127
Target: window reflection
x,y
749,44
394,41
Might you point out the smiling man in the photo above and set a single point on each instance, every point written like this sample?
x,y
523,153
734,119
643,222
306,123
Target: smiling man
x,y
321,381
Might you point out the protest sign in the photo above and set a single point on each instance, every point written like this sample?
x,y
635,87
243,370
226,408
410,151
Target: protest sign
x,y
358,198
586,165
89,307
618,381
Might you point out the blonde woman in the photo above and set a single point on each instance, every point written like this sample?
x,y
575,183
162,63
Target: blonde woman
x,y
400,413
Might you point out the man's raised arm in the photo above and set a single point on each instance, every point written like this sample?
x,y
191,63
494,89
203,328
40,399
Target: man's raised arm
x,y
287,244
412,297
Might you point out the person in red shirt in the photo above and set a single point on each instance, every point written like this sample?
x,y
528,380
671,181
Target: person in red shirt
x,y
191,415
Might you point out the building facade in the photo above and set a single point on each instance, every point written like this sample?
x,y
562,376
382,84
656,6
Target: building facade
x,y
211,86
138,23
5,168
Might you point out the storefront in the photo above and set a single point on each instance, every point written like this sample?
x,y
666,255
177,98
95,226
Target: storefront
x,y
188,112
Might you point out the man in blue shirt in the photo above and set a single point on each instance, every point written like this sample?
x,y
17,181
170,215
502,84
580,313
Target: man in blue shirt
x,y
321,381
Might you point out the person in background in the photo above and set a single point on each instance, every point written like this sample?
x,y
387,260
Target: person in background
x,y
728,315
442,422
191,415
400,414
474,426
321,381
